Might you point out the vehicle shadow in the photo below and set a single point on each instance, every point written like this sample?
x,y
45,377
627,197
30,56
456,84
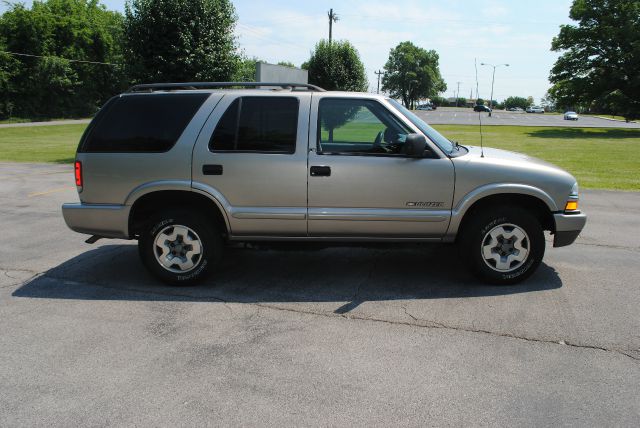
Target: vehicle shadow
x,y
585,133
342,274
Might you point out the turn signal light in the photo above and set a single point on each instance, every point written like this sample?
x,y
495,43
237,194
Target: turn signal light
x,y
571,206
78,172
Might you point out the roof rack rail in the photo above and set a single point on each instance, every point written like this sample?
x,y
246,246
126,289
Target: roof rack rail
x,y
150,87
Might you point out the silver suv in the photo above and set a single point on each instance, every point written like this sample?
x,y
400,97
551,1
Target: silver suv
x,y
186,168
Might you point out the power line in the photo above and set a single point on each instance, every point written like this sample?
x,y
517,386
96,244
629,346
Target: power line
x,y
255,32
59,57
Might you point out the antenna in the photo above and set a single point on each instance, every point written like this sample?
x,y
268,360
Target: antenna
x,y
479,113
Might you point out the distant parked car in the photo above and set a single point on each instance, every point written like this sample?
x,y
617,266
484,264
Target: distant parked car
x,y
481,108
514,109
535,109
426,107
571,115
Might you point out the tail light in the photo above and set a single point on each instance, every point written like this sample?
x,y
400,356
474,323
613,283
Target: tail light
x,y
78,173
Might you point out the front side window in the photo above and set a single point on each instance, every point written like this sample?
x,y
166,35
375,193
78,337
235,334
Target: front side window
x,y
257,124
441,141
353,126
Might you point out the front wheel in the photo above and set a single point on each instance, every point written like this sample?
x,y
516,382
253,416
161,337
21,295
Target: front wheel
x,y
503,245
179,247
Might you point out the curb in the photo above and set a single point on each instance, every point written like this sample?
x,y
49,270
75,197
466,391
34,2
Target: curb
x,y
613,120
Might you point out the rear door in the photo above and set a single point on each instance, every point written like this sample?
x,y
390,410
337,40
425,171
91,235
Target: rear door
x,y
252,156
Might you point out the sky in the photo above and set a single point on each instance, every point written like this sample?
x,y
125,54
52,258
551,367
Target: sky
x,y
515,32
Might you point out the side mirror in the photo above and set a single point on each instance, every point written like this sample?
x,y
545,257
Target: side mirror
x,y
415,145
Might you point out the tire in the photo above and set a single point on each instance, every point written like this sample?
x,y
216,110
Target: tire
x,y
502,245
180,248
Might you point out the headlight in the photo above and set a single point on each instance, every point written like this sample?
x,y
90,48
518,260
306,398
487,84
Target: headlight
x,y
575,191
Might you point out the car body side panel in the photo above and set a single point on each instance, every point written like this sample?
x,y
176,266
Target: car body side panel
x,y
110,178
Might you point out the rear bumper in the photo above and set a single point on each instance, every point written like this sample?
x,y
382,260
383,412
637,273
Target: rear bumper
x,y
568,227
109,221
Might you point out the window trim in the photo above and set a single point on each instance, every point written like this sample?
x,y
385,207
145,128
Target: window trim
x,y
237,125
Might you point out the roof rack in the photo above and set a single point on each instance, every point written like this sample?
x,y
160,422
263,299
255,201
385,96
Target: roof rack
x,y
150,87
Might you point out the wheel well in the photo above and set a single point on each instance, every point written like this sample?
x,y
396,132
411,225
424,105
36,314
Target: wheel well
x,y
532,204
153,202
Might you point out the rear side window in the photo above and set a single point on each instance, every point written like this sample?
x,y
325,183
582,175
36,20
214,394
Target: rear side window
x,y
257,124
142,123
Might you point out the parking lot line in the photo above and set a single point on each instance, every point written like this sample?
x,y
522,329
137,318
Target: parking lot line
x,y
59,189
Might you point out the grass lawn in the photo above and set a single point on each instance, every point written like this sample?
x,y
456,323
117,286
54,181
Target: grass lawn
x,y
56,143
600,158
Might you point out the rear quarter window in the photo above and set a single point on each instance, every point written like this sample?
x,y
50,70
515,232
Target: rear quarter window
x,y
142,123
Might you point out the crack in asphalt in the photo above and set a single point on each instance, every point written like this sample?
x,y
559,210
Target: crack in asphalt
x,y
355,302
6,273
616,247
417,322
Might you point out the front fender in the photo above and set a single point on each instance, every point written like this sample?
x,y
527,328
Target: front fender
x,y
458,212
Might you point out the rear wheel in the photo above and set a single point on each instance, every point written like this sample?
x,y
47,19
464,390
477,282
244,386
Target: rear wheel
x,y
180,248
503,245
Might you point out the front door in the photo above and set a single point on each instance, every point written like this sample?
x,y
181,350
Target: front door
x,y
360,182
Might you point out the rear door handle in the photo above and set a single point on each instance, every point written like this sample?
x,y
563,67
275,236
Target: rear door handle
x,y
320,171
212,169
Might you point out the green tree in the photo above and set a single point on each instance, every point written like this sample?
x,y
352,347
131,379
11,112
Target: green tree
x,y
479,102
512,102
439,101
336,66
8,69
287,64
75,62
412,73
246,70
601,57
180,40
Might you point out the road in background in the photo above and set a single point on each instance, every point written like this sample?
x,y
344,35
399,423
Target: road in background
x,y
339,336
459,116
48,123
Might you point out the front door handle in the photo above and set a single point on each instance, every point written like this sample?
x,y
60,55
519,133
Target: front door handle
x,y
320,171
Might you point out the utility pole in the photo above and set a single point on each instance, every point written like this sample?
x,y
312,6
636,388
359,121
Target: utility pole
x,y
333,17
379,73
458,94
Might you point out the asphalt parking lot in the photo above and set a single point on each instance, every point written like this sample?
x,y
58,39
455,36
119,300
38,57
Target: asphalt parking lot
x,y
460,116
355,337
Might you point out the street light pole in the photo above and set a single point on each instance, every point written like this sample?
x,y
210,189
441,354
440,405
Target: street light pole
x,y
493,79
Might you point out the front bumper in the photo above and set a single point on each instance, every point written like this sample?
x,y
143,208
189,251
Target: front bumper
x,y
568,227
109,221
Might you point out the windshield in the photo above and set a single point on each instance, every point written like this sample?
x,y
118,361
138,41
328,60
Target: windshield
x,y
442,142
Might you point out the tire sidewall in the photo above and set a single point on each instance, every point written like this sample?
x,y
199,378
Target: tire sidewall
x,y
210,241
485,222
